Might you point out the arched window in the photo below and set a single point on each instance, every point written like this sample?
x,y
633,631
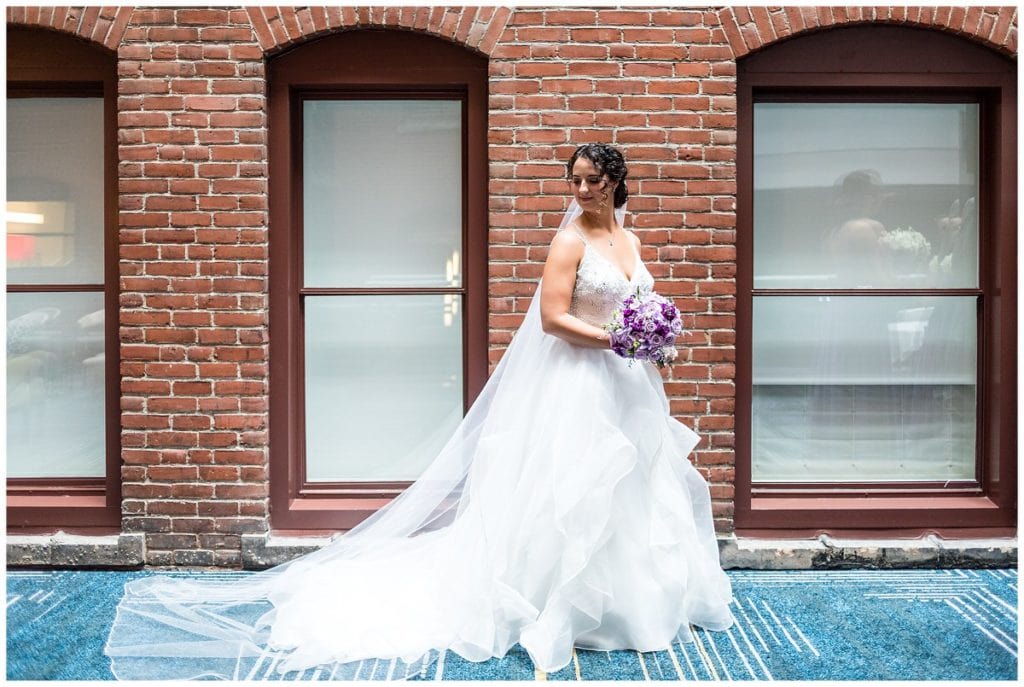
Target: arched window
x,y
378,266
63,416
877,284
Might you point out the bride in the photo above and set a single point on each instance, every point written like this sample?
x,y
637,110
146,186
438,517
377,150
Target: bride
x,y
563,512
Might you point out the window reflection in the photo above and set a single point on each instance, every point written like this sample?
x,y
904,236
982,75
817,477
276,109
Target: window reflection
x,y
38,234
55,385
55,200
850,388
854,246
865,195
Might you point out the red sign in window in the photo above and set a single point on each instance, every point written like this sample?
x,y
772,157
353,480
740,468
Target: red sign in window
x,y
20,248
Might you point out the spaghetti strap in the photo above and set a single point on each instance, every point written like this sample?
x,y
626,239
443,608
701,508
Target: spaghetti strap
x,y
629,233
580,234
586,241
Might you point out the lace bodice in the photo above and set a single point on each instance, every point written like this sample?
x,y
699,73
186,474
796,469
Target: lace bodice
x,y
601,286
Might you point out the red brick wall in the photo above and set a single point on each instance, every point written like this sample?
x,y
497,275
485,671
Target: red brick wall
x,y
193,185
193,179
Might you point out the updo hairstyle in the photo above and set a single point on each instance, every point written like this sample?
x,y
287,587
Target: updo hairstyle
x,y
609,162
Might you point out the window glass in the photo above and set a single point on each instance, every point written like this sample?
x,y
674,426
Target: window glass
x,y
875,195
55,385
55,191
382,192
383,382
851,388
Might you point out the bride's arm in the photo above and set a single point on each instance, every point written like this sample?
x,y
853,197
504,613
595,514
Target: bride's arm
x,y
559,278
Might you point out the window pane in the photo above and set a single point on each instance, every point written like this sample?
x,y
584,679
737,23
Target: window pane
x,y
383,384
876,195
55,190
863,389
382,192
55,385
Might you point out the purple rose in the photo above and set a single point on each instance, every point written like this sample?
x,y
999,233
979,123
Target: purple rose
x,y
645,328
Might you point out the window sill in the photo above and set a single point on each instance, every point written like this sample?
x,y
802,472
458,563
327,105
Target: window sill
x,y
52,512
907,515
836,503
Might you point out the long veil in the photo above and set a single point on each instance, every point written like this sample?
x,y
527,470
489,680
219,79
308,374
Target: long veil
x,y
231,625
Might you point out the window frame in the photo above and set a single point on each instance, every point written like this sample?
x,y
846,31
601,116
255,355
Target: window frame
x,y
360,64
966,73
44,63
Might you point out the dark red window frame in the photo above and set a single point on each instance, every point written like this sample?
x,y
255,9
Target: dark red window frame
x,y
893,64
42,63
363,64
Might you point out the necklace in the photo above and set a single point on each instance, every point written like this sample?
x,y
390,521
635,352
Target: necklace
x,y
611,233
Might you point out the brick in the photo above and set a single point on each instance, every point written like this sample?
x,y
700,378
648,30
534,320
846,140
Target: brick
x,y
226,34
241,491
594,69
241,525
146,524
595,35
132,421
172,34
177,473
624,17
648,35
572,51
570,17
528,69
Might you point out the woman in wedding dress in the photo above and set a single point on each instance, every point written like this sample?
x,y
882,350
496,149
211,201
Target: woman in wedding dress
x,y
562,513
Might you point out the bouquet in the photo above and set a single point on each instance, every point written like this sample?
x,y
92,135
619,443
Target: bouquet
x,y
908,241
908,249
645,328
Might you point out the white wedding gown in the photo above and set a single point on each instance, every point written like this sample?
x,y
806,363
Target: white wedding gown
x,y
563,512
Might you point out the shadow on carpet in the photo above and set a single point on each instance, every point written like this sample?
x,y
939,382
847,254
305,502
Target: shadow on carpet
x,y
790,625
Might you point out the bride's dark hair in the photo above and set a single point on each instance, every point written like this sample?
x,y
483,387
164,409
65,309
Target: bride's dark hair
x,y
608,160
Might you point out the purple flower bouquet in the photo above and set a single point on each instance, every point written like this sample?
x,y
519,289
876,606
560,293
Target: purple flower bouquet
x,y
645,328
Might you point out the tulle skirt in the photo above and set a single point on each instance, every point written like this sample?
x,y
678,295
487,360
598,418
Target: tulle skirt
x,y
563,513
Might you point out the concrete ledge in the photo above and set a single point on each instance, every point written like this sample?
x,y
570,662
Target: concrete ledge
x,y
828,552
261,551
63,550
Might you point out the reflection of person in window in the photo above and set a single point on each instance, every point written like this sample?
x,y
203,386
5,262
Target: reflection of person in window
x,y
955,257
851,338
852,244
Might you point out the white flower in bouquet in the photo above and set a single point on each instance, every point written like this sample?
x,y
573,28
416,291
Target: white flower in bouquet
x,y
906,241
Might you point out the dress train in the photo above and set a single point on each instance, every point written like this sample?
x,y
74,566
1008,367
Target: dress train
x,y
562,512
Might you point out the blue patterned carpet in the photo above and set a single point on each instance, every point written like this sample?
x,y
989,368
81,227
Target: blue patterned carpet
x,y
790,625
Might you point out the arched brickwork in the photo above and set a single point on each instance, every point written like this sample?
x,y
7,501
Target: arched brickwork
x,y
751,28
477,28
103,25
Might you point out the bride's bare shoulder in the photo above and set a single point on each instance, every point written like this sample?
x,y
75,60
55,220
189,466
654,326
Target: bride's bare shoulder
x,y
564,254
566,241
634,238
